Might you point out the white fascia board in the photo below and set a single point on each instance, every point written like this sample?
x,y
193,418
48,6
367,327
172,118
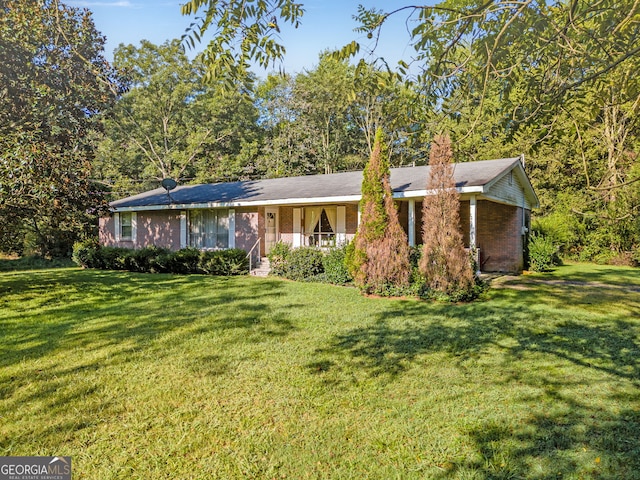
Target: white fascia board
x,y
426,193
288,201
263,203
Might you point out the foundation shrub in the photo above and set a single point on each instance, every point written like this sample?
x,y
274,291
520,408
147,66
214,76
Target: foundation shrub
x,y
278,258
635,256
224,262
113,258
152,259
335,268
184,261
304,263
142,260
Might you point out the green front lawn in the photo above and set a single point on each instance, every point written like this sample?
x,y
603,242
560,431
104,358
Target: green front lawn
x,y
158,376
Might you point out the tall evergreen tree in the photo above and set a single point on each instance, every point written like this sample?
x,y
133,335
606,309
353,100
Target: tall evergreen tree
x,y
381,252
444,262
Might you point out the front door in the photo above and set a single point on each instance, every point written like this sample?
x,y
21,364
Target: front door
x,y
271,228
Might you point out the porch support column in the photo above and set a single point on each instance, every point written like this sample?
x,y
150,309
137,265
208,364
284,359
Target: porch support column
x,y
472,222
412,223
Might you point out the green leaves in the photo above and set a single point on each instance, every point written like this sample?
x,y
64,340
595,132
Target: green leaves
x,y
245,32
54,83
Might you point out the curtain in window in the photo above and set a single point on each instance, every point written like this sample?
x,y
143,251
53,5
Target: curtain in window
x,y
209,228
311,218
332,216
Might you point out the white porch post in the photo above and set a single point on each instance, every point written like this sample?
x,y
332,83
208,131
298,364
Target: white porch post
x,y
472,222
297,227
412,223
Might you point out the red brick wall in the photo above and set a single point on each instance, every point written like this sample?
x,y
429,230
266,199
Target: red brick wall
x,y
246,228
161,229
286,225
499,237
351,219
106,231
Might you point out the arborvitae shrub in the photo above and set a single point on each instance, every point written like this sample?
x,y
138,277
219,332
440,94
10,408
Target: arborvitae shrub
x,y
380,256
444,262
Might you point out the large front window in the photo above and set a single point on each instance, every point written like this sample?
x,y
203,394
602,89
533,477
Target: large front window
x,y
320,226
209,229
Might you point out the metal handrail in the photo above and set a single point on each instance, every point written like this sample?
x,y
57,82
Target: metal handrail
x,y
249,256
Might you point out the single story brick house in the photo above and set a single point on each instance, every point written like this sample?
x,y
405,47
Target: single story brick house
x,y
496,198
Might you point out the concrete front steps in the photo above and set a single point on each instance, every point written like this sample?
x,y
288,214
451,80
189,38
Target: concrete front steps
x,y
262,269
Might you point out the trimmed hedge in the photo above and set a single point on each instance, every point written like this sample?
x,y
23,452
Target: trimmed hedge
x,y
309,264
90,254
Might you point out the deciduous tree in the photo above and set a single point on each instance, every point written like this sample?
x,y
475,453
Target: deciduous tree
x,y
54,82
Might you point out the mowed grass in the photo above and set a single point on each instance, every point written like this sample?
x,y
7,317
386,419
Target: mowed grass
x,y
158,376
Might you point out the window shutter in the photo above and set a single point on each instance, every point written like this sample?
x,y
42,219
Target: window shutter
x,y
134,227
116,225
232,228
183,229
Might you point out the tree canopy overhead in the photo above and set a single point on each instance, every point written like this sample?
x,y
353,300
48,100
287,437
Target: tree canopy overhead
x,y
244,32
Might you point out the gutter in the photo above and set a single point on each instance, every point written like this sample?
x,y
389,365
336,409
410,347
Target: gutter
x,y
288,201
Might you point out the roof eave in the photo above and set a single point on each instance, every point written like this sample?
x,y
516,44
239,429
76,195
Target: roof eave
x,y
286,201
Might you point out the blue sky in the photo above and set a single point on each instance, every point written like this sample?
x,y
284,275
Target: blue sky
x,y
327,24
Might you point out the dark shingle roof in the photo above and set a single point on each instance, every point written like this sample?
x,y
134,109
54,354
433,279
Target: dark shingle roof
x,y
403,180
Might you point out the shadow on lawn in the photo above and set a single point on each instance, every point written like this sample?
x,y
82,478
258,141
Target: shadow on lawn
x,y
111,317
601,440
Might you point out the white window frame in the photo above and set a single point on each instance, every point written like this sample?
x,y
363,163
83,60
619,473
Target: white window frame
x,y
228,221
119,225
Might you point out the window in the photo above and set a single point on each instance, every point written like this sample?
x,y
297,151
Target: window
x,y
320,226
209,229
126,226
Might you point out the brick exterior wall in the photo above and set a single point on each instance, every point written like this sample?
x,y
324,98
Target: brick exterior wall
x,y
246,228
286,225
499,237
161,229
351,220
499,230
